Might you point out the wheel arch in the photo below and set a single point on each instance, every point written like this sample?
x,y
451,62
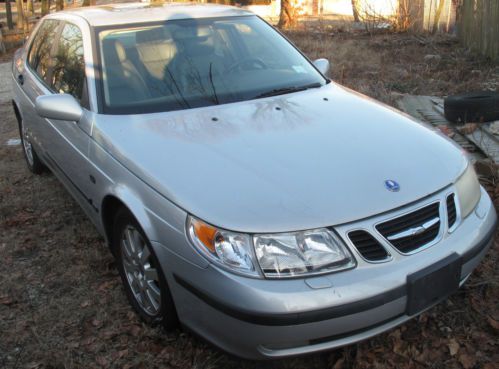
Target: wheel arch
x,y
110,206
17,111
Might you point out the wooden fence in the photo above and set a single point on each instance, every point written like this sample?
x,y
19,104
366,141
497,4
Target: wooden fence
x,y
478,26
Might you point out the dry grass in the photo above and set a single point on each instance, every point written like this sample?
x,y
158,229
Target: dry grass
x,y
62,304
384,64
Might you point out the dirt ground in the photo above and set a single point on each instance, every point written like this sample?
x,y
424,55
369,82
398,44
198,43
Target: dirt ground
x,y
61,300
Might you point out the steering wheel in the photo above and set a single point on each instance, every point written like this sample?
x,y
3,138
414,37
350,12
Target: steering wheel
x,y
246,61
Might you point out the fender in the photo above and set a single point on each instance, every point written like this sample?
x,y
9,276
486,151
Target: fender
x,y
132,201
164,226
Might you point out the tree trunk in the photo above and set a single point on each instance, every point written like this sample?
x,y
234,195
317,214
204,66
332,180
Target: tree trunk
x,y
45,7
30,8
315,7
59,5
88,3
287,17
8,10
438,13
20,14
414,10
2,46
355,10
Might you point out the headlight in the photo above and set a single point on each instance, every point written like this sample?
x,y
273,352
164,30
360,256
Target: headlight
x,y
229,249
279,255
468,191
301,253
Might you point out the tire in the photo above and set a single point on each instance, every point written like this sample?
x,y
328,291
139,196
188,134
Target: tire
x,y
472,107
141,273
33,162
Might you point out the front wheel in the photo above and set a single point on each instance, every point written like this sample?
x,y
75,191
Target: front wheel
x,y
143,279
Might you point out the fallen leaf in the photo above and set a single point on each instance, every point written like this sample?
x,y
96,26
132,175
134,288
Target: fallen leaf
x,y
73,344
134,330
6,300
87,341
119,354
468,128
107,334
33,365
446,131
105,285
339,363
467,361
493,323
102,361
453,347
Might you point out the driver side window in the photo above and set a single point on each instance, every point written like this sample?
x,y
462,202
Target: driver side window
x,y
68,74
39,58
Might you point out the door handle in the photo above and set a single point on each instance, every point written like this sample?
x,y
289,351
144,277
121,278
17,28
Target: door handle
x,y
20,79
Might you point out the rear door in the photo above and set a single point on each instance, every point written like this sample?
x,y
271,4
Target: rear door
x,y
55,63
34,80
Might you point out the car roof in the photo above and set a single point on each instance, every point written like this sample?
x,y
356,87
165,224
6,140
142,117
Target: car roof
x,y
128,13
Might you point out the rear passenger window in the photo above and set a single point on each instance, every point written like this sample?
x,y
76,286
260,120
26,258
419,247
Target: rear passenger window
x,y
68,74
39,58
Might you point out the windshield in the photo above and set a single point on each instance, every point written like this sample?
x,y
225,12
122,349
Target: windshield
x,y
190,63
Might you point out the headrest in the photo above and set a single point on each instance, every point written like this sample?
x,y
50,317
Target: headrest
x,y
155,56
190,33
151,35
113,51
120,51
158,51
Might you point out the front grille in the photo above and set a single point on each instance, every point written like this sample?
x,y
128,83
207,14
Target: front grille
x,y
367,245
451,210
414,230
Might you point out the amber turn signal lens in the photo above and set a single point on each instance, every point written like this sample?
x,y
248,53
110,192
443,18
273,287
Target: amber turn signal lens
x,y
205,233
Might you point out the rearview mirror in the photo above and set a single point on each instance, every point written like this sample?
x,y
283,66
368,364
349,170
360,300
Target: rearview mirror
x,y
58,107
322,65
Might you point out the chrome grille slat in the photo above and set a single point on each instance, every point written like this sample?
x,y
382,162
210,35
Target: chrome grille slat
x,y
417,227
409,220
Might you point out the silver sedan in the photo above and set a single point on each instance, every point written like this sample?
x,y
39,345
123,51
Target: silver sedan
x,y
242,192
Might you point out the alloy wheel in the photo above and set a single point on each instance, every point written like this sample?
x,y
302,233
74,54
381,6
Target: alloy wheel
x,y
141,274
28,149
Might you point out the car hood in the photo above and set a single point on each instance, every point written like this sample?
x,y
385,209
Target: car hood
x,y
297,161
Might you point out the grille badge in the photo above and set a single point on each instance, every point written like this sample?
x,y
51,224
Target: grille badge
x,y
414,231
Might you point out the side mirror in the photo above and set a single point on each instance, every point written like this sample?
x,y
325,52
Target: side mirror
x,y
323,65
58,107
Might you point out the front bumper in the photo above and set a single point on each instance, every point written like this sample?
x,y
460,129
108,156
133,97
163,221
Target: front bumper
x,y
257,318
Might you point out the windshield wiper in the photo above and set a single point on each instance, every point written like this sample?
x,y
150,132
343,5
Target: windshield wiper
x,y
287,90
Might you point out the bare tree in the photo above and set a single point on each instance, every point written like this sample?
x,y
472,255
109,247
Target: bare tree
x,y
355,10
288,15
20,14
8,10
438,13
30,8
45,6
2,46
